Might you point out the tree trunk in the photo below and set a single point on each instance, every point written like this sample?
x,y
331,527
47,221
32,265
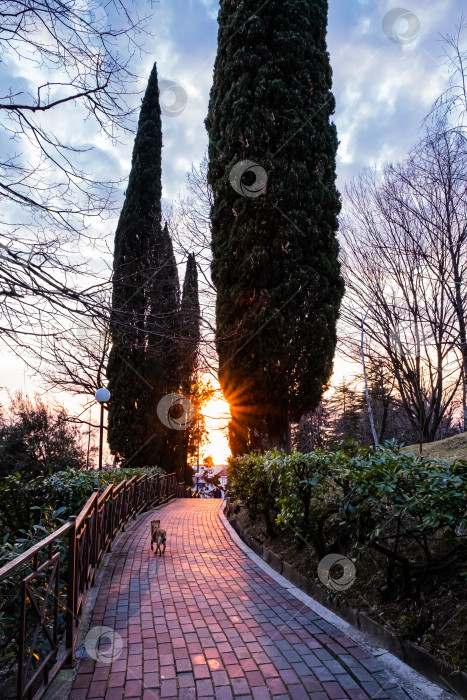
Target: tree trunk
x,y
367,394
464,384
459,309
278,428
464,395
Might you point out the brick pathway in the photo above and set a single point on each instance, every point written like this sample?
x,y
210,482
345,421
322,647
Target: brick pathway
x,y
206,622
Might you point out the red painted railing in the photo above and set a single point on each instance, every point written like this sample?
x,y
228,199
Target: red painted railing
x,y
55,575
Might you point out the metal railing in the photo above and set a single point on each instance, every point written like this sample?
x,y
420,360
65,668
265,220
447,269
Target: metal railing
x,y
55,575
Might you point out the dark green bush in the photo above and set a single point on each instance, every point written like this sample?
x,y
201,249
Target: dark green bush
x,y
255,480
68,489
48,520
411,510
29,511
305,494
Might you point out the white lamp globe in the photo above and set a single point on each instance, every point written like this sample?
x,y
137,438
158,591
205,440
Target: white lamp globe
x,y
102,395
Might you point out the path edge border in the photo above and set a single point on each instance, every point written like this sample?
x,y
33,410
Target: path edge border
x,y
357,625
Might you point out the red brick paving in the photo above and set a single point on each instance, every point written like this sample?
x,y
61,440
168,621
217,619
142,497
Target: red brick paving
x,y
205,621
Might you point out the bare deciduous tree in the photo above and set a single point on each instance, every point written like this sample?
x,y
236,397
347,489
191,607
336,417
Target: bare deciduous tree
x,y
432,191
451,106
409,325
405,236
79,70
190,225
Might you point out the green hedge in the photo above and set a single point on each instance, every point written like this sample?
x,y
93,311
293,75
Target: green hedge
x,y
411,510
28,512
63,492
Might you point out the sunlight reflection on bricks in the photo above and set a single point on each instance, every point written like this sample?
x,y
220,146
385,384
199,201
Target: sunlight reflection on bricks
x,y
217,627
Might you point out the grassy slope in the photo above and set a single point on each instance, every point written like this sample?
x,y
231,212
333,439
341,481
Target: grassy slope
x,y
450,448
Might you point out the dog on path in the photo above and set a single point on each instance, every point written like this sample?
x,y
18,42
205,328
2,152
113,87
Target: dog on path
x,y
158,536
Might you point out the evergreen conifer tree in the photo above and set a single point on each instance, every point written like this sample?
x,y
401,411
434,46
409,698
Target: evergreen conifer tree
x,y
189,325
190,334
142,364
275,253
163,354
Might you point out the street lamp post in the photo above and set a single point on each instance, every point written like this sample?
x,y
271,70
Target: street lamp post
x,y
102,396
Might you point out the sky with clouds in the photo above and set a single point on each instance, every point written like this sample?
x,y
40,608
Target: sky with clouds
x,y
383,88
388,70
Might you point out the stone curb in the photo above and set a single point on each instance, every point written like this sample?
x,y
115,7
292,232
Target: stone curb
x,y
411,654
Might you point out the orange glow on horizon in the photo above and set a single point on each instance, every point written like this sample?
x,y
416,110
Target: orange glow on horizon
x,y
217,411
217,414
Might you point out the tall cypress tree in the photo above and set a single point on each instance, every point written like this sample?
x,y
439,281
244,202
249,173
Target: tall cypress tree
x,y
163,351
162,323
275,254
190,333
144,300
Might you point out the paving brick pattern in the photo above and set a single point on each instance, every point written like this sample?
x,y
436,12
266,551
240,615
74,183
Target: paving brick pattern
x,y
205,621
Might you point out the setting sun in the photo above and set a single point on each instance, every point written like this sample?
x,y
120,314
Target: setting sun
x,y
217,415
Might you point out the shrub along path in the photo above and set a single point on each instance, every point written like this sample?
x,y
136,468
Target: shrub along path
x,y
205,621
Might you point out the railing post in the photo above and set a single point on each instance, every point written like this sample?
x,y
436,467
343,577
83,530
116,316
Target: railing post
x,y
22,636
71,583
128,502
111,518
124,505
95,534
